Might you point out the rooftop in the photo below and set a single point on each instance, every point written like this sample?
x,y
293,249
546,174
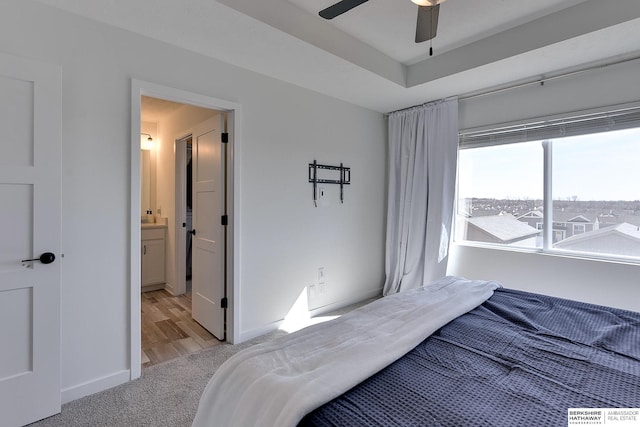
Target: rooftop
x,y
504,227
626,230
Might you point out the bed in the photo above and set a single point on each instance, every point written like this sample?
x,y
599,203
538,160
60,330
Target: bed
x,y
494,357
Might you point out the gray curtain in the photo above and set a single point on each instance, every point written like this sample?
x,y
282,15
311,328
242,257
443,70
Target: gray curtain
x,y
423,143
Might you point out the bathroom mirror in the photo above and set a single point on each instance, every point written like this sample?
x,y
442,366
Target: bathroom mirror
x,y
145,179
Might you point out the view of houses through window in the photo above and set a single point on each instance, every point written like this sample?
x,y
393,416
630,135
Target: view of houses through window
x,y
595,192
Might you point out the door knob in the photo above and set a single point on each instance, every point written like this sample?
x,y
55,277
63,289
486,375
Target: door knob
x,y
45,258
193,232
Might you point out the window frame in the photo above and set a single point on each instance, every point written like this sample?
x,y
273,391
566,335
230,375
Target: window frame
x,y
584,122
578,229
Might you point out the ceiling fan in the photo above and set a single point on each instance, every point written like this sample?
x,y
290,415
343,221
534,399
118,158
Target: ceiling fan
x,y
426,27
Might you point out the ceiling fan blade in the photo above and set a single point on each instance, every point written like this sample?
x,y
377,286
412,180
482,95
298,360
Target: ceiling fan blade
x,y
427,25
340,8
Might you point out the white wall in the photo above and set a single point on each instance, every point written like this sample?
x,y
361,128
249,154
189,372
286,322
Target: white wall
x,y
599,282
608,283
283,238
615,84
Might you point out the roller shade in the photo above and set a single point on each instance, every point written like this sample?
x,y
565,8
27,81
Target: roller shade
x,y
541,129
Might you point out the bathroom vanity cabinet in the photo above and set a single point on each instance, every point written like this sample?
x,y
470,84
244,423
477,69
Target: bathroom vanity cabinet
x,y
153,257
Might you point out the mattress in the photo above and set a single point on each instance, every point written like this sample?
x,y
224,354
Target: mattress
x,y
518,359
278,382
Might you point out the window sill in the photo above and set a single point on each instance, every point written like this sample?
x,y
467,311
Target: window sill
x,y
554,253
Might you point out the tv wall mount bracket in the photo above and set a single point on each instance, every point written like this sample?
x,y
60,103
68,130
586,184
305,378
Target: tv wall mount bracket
x,y
344,178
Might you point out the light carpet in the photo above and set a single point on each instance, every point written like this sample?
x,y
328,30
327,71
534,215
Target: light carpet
x,y
167,394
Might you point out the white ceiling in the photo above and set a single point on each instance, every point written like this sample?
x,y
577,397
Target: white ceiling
x,y
389,25
154,109
368,57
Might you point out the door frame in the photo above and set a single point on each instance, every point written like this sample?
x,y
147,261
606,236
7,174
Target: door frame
x,y
234,126
180,146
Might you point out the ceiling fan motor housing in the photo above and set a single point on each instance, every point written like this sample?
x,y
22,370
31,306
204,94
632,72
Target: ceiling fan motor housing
x,y
426,26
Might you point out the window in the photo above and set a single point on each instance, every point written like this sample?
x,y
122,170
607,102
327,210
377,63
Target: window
x,y
590,164
578,228
500,194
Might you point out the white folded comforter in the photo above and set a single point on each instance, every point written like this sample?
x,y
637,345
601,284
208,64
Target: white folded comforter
x,y
277,383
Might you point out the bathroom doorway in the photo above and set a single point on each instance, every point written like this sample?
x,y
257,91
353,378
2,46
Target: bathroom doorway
x,y
172,192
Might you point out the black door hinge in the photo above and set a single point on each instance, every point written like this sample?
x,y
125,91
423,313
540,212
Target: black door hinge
x,y
224,220
224,137
224,302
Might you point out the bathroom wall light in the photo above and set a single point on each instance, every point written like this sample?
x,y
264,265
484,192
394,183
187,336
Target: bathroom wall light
x,y
146,144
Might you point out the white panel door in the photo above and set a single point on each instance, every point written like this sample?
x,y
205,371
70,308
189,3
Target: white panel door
x,y
30,225
207,276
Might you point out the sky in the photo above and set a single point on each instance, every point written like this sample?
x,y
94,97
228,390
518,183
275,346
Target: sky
x,y
602,166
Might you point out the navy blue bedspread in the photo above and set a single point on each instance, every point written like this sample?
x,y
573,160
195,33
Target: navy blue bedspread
x,y
520,359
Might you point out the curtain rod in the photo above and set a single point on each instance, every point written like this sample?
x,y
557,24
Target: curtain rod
x,y
540,81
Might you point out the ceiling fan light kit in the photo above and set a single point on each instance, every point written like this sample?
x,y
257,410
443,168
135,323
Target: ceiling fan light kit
x,y
427,2
426,26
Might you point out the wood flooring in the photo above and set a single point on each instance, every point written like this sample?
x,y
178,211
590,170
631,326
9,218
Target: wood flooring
x,y
168,330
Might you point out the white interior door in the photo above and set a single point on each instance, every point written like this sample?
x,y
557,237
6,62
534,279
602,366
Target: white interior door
x,y
30,225
207,276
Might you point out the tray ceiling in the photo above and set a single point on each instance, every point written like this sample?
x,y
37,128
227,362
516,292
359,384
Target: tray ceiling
x,y
368,57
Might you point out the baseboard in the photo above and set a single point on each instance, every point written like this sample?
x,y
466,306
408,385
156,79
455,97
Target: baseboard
x,y
150,288
94,386
170,288
254,333
375,293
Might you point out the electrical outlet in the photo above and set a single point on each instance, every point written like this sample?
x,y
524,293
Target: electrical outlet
x,y
322,199
323,287
312,291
